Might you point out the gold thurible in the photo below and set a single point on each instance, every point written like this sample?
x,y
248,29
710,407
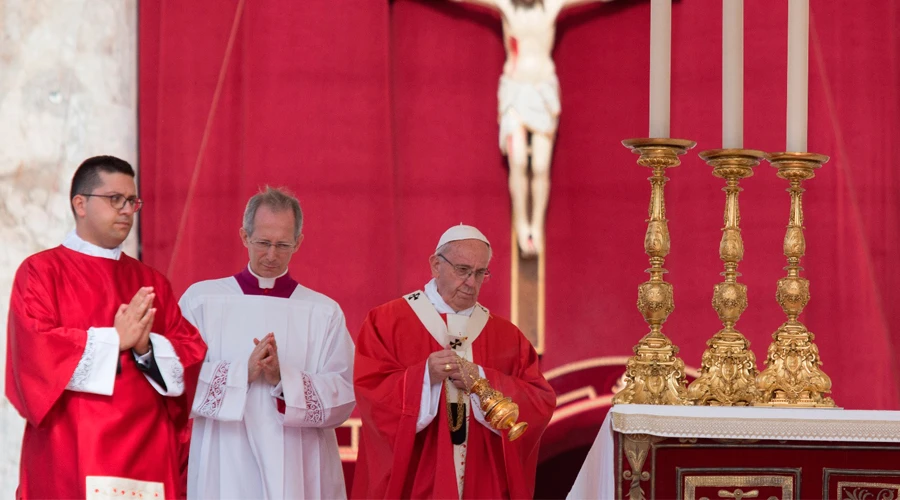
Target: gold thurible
x,y
655,374
728,366
792,376
500,411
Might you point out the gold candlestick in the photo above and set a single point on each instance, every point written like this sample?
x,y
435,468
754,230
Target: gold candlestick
x,y
655,375
792,376
728,367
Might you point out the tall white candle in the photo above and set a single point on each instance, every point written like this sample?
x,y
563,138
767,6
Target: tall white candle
x,y
660,66
798,74
733,73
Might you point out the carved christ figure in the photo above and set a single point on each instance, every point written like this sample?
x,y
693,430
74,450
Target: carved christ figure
x,y
529,108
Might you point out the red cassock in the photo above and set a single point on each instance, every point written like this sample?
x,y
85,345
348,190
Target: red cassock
x,y
136,433
396,462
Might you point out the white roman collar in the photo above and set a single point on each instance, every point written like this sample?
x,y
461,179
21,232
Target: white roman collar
x,y
265,282
74,242
437,301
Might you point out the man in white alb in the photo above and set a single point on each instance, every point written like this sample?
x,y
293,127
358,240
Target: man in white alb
x,y
278,376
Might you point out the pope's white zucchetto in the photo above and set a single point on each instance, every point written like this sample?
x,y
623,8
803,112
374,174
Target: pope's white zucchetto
x,y
461,232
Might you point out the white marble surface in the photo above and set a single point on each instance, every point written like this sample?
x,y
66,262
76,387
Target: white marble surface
x,y
68,91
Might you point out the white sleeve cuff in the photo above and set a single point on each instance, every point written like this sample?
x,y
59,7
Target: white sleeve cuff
x,y
170,367
277,391
428,406
143,359
96,371
221,391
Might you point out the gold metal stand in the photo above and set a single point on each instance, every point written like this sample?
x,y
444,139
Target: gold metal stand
x,y
728,367
792,376
655,375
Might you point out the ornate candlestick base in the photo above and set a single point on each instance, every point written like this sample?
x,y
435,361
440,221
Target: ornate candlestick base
x,y
728,367
655,375
792,376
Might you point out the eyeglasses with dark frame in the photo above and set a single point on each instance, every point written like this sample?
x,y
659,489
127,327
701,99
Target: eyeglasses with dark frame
x,y
463,272
264,246
118,201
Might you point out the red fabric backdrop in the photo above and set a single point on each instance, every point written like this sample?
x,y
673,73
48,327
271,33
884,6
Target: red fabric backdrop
x,y
382,118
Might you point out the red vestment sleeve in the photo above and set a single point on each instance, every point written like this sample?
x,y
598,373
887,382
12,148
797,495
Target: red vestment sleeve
x,y
191,351
188,345
537,400
388,396
41,356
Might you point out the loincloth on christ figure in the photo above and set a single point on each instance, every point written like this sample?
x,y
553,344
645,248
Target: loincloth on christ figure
x,y
535,106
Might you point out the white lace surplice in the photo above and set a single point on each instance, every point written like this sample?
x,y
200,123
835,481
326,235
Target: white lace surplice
x,y
242,446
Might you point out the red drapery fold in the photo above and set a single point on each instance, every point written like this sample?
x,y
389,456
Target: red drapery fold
x,y
382,118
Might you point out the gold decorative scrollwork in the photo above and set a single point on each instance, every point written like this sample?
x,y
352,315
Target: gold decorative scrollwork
x,y
637,448
691,483
861,490
738,494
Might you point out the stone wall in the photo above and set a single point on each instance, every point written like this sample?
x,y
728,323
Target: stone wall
x,y
68,90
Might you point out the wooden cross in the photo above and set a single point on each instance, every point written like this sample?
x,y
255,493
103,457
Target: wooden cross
x,y
527,295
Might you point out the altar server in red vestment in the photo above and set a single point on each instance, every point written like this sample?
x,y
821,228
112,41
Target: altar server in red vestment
x,y
99,360
278,377
421,436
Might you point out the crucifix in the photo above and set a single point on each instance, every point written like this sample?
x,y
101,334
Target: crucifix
x,y
528,114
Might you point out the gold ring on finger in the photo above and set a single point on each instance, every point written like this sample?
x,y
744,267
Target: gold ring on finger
x,y
447,367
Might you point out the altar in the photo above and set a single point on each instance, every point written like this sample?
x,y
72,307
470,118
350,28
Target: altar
x,y
689,452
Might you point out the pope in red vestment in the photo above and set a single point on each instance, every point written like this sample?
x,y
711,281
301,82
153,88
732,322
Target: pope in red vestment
x,y
406,449
97,412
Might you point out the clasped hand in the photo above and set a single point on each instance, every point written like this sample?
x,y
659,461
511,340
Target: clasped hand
x,y
264,360
134,320
446,364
